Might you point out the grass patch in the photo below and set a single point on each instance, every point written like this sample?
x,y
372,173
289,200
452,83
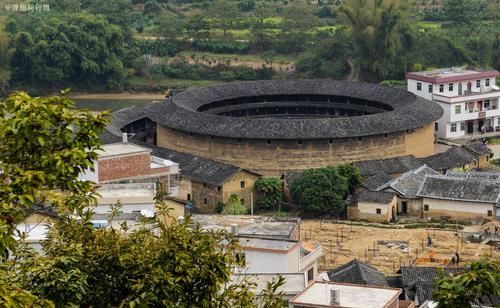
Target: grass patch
x,y
494,140
165,83
241,57
429,25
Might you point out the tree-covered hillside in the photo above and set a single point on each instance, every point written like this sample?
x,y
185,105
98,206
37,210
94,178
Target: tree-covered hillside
x,y
157,44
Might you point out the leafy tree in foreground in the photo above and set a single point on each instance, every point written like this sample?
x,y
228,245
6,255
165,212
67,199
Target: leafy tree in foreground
x,y
481,281
321,191
46,144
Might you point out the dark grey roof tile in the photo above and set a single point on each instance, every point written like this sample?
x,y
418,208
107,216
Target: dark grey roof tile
x,y
463,189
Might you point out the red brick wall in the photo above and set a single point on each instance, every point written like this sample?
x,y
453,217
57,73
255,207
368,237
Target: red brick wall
x,y
123,167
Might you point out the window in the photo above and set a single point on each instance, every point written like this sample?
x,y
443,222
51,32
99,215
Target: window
x,y
188,197
242,184
204,184
419,86
436,126
268,141
310,274
487,104
299,141
205,201
430,88
478,83
490,213
426,207
242,201
487,82
450,87
462,126
441,88
219,188
458,109
379,211
470,107
453,127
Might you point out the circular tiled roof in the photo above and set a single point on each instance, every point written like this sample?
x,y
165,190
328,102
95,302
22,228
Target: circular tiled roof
x,y
388,110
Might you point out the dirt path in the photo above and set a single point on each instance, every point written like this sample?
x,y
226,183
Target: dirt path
x,y
360,243
119,96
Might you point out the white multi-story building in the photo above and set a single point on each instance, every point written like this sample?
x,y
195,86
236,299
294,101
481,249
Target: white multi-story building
x,y
469,98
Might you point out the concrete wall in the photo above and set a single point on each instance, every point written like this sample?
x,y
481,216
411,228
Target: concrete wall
x,y
368,211
176,209
414,206
458,209
280,155
262,261
38,218
105,208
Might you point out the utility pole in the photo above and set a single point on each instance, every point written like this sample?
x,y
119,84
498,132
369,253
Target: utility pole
x,y
251,203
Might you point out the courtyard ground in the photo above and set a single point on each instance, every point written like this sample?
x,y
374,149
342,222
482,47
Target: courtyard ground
x,y
342,242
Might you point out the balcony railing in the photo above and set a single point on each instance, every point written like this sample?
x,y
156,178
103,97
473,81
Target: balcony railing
x,y
469,96
309,259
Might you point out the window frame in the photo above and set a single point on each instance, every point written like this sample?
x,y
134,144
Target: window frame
x,y
459,108
430,88
478,83
441,88
419,86
453,127
450,87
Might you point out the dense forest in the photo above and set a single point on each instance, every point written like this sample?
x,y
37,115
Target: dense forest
x,y
157,44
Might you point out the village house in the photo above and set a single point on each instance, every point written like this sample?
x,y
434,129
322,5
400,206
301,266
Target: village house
x,y
460,198
469,98
207,183
425,193
335,294
406,187
281,256
269,247
374,206
293,285
122,162
474,155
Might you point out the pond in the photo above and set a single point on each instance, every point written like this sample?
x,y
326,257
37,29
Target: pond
x,y
108,104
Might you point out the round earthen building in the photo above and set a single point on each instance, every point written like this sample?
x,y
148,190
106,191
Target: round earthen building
x,y
280,125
